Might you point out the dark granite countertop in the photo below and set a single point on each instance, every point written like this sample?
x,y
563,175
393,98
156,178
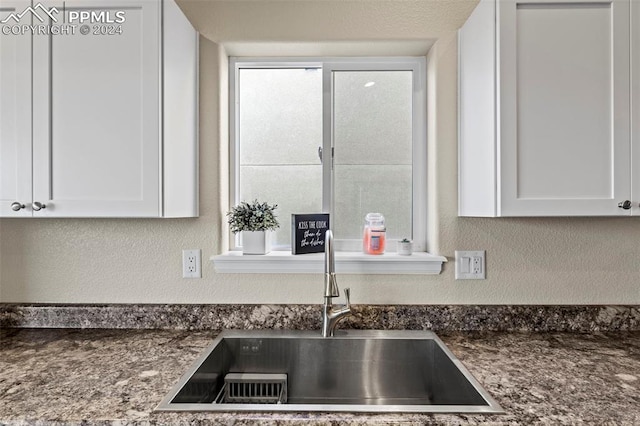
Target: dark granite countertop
x,y
53,376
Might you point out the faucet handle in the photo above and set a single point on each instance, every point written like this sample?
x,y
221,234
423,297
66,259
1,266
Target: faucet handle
x,y
347,295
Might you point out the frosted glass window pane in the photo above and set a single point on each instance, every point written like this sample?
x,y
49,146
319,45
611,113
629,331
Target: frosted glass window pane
x,y
284,185
373,150
280,130
361,189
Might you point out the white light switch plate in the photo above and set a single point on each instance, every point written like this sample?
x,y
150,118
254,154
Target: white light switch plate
x,y
470,265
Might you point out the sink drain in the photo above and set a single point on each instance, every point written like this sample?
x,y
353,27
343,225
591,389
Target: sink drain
x,y
253,388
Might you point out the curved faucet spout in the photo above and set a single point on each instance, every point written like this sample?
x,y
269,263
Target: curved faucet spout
x,y
330,283
331,315
329,262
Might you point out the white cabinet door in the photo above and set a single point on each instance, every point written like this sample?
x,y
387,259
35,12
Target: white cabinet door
x,y
564,106
635,105
15,113
96,106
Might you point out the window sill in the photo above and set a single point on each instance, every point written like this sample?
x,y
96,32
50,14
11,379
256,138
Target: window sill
x,y
283,262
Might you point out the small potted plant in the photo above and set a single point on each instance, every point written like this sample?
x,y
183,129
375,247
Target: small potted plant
x,y
405,247
255,220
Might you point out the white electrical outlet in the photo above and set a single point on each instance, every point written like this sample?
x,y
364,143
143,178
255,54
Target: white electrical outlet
x,y
470,265
191,265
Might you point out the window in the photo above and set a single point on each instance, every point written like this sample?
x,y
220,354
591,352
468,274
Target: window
x,y
345,136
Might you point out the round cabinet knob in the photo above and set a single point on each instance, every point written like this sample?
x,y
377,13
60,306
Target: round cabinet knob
x,y
16,206
626,204
37,206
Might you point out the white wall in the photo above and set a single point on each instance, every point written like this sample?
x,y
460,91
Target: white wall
x,y
530,261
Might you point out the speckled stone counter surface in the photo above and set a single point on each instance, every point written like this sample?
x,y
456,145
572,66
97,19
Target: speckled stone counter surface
x,y
307,317
53,376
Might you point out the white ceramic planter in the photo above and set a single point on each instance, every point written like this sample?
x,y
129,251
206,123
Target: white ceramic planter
x,y
256,242
405,249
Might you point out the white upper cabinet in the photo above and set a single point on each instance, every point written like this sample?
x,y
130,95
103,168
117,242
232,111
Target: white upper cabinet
x,y
544,111
15,118
114,112
635,104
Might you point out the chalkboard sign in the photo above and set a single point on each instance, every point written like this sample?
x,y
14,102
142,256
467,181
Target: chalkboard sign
x,y
307,232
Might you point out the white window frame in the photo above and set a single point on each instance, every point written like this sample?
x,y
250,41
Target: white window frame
x,y
329,65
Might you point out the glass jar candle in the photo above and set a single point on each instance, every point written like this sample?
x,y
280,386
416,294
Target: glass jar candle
x,y
374,237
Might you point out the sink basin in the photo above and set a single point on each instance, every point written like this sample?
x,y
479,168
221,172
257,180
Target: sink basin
x,y
354,371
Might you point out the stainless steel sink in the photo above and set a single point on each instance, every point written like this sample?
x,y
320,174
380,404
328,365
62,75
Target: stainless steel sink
x,y
354,371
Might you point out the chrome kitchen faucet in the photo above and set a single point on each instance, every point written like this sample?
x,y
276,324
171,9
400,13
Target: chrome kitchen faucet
x,y
331,315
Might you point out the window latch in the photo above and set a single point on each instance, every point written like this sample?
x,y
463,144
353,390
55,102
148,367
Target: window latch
x,y
320,153
333,157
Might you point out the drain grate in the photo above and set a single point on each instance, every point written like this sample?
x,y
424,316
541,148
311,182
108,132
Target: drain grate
x,y
253,388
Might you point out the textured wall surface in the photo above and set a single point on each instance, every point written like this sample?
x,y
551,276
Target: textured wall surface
x,y
529,260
